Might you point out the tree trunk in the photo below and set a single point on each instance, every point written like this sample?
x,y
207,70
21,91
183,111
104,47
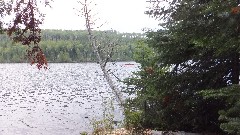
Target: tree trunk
x,y
235,68
102,60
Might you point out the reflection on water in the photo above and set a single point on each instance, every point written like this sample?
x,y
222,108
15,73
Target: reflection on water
x,y
59,101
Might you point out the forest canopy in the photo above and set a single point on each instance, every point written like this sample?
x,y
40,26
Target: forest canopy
x,y
71,46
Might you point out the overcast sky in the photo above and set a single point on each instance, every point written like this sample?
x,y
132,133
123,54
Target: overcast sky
x,y
120,15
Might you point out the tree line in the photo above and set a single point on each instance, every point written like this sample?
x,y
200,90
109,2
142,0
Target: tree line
x,y
71,46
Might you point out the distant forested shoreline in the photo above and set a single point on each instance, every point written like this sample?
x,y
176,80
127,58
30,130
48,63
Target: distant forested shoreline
x,y
70,46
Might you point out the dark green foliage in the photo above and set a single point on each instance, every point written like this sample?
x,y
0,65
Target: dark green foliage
x,y
197,50
70,46
229,116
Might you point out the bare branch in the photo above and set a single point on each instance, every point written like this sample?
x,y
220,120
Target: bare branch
x,y
102,57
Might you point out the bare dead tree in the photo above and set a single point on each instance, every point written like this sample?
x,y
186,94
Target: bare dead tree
x,y
103,55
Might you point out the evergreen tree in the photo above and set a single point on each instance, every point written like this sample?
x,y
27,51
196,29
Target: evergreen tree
x,y
198,49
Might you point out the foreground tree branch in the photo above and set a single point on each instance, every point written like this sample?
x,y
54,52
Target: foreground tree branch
x,y
24,27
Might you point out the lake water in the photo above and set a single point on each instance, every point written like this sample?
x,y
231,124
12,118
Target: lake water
x,y
59,101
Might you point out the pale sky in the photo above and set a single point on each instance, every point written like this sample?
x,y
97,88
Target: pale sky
x,y
120,15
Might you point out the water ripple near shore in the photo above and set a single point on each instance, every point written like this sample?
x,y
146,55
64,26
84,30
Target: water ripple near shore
x,y
58,101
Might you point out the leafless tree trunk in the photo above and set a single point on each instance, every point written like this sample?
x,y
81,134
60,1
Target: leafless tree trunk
x,y
102,59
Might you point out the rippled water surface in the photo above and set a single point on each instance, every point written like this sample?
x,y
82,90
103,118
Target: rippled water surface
x,y
59,101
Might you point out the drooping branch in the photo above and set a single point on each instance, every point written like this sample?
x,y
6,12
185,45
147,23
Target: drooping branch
x,y
25,28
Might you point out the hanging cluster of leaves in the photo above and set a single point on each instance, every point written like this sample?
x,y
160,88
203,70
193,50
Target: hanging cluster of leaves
x,y
198,50
25,27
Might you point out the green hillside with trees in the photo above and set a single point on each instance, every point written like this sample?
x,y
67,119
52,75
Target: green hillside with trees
x,y
71,46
